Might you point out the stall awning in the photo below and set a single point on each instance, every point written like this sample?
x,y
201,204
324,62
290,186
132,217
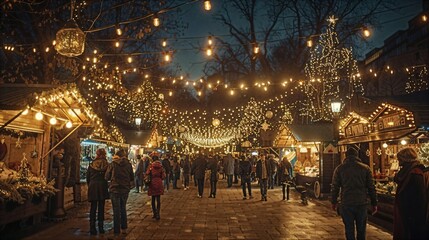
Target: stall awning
x,y
321,132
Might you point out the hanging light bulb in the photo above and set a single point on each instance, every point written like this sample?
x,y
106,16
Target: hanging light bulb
x,y
156,21
309,43
210,40
69,124
209,51
167,57
118,31
366,32
130,59
424,18
39,116
256,49
207,5
53,120
164,43
117,44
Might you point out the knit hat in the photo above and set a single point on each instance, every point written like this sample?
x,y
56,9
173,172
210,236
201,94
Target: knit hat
x,y
407,155
352,151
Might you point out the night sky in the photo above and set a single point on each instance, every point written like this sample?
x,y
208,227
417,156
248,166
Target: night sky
x,y
202,24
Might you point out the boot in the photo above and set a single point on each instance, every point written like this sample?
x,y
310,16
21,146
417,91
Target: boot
x,y
101,227
154,214
92,229
157,216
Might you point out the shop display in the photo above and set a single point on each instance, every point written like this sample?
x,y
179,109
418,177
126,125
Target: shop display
x,y
19,186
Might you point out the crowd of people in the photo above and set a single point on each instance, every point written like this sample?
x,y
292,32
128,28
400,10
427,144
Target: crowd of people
x,y
352,184
156,174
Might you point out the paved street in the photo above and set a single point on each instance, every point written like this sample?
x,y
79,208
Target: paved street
x,y
228,216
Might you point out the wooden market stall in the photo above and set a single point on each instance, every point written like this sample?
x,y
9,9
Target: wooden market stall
x,y
310,147
380,136
37,120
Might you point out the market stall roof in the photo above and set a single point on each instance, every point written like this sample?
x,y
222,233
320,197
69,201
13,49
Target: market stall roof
x,y
416,102
284,137
317,132
19,96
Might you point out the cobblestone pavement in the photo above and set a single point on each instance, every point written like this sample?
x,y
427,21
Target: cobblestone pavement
x,y
228,216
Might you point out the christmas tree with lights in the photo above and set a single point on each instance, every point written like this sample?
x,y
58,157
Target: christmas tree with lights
x,y
332,75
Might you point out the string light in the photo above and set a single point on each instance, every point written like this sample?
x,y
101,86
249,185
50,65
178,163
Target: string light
x,y
207,5
156,21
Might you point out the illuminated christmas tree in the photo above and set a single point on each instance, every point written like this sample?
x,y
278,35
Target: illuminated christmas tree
x,y
332,75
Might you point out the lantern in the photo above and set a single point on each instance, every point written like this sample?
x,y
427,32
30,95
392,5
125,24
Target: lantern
x,y
269,114
70,40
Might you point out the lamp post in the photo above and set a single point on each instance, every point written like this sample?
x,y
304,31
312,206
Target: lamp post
x,y
336,109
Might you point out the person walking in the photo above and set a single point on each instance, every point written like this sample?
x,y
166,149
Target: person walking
x,y
212,165
410,207
139,174
156,186
167,168
97,190
199,170
245,169
262,173
229,169
272,169
186,166
121,176
285,175
176,172
354,179
146,164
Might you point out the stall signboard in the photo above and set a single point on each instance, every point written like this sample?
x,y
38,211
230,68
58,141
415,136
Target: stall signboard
x,y
389,118
355,125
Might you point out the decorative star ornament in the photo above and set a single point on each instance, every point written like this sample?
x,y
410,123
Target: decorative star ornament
x,y
265,126
332,19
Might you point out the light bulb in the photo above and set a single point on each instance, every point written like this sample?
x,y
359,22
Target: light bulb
x,y
119,31
209,52
207,5
156,21
39,116
69,124
53,121
25,112
403,142
384,145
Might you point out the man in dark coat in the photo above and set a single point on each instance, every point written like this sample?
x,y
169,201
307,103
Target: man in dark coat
x,y
97,190
199,170
121,176
262,173
355,181
212,165
245,169
410,207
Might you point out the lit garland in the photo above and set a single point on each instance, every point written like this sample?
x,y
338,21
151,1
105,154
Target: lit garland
x,y
417,79
110,133
332,74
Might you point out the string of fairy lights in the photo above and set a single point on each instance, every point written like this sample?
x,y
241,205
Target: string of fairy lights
x,y
328,67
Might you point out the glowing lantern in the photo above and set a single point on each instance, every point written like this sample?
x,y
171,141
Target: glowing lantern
x,y
216,122
70,40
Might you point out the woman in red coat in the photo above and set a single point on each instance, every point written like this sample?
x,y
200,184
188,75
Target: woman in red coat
x,y
156,186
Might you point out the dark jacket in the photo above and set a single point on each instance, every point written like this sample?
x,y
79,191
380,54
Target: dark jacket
x,y
120,174
259,169
355,180
285,171
199,167
186,165
140,170
166,165
157,173
213,167
410,205
97,185
245,168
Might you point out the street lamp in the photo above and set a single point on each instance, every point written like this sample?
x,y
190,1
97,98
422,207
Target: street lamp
x,y
336,107
138,121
